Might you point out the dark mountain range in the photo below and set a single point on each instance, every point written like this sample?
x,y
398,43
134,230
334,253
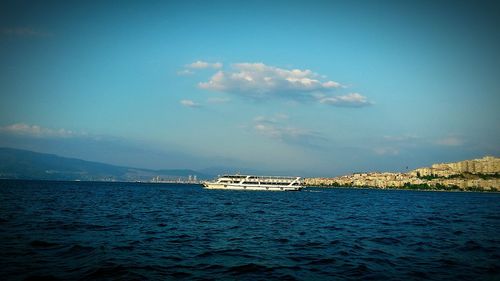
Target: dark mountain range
x,y
24,164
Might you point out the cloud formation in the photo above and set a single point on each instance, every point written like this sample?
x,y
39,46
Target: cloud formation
x,y
386,151
450,141
349,100
403,144
38,131
190,103
217,100
259,80
185,72
204,65
274,127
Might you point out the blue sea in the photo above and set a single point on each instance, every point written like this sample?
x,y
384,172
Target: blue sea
x,y
138,231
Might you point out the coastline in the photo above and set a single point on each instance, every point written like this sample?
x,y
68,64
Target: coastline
x,y
401,189
305,186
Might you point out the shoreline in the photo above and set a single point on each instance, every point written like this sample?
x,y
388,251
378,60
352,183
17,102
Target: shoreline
x,y
403,189
305,186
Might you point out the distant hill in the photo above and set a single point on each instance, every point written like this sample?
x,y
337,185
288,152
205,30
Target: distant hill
x,y
24,164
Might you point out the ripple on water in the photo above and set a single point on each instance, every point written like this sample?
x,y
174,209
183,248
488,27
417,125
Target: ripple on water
x,y
77,250
248,268
473,246
322,261
386,240
39,244
41,278
359,271
112,271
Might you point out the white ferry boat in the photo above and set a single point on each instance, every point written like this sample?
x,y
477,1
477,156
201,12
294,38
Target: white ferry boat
x,y
248,182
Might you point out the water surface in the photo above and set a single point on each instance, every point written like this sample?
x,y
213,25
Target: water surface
x,y
88,231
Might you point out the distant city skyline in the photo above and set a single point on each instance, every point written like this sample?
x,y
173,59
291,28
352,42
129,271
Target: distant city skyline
x,y
311,88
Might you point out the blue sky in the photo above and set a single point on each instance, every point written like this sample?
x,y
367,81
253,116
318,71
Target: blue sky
x,y
315,88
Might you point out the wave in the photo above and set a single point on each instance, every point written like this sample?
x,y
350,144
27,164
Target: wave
x,y
129,232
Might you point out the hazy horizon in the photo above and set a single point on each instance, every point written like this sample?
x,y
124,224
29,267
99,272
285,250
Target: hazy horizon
x,y
316,88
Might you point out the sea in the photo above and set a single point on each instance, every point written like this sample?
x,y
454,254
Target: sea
x,y
140,231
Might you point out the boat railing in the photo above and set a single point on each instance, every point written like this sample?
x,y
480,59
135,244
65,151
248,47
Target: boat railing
x,y
259,177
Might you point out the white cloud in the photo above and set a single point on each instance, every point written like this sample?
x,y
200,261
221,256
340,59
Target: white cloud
x,y
450,141
401,144
204,65
37,131
401,138
189,103
185,72
189,69
276,118
275,127
386,151
259,80
349,100
269,130
218,100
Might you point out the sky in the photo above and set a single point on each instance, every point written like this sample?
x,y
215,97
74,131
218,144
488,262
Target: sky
x,y
311,88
